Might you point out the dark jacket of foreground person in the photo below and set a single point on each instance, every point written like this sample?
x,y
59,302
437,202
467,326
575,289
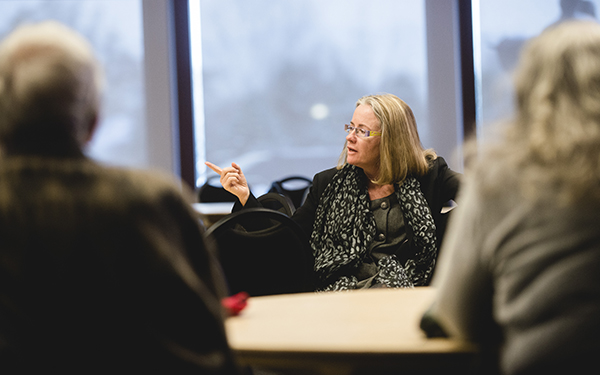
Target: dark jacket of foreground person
x,y
104,270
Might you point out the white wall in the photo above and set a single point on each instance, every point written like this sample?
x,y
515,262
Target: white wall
x,y
161,118
445,102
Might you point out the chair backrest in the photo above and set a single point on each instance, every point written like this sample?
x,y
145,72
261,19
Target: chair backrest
x,y
212,191
262,252
277,202
295,187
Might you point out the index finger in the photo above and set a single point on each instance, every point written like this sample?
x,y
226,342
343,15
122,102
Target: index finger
x,y
214,167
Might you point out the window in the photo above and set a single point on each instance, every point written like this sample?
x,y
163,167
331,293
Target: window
x,y
114,28
279,79
501,27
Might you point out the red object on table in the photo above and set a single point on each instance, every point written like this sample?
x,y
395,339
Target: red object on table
x,y
235,304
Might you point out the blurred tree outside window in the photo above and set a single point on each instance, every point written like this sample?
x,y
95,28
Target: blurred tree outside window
x,y
279,79
114,28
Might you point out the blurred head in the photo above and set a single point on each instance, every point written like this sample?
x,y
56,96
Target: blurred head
x,y
554,140
395,154
558,81
50,85
558,90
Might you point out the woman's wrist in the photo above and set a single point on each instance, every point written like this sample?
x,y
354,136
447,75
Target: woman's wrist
x,y
244,197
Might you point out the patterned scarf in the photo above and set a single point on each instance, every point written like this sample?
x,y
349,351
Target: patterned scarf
x,y
345,227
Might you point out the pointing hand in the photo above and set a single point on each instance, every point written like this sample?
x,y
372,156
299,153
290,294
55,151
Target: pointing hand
x,y
233,180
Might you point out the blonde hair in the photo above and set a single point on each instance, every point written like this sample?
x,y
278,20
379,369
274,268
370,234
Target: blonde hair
x,y
50,87
401,152
554,140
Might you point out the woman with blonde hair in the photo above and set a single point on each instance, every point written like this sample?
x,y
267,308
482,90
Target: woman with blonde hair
x,y
520,270
372,220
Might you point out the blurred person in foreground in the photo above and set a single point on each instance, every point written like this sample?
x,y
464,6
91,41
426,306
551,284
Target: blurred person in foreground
x,y
103,270
520,270
374,220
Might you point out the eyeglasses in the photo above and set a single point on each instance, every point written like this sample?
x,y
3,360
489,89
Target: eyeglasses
x,y
362,133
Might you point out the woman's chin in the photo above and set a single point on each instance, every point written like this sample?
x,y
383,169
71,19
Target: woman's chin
x,y
354,163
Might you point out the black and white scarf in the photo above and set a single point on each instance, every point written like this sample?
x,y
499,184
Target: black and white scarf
x,y
345,227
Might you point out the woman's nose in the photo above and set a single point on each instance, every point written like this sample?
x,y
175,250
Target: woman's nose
x,y
351,136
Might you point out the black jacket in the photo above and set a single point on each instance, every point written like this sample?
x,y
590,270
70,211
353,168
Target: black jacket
x,y
439,185
104,270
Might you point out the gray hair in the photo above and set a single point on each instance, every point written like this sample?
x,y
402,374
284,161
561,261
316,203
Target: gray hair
x,y
554,140
50,87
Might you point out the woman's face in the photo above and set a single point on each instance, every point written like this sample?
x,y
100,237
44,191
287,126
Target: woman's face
x,y
364,152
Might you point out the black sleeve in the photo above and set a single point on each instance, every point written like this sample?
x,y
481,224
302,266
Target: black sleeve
x,y
431,327
450,182
305,215
252,202
439,185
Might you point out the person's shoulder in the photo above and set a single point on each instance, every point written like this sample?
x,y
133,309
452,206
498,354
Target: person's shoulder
x,y
439,167
435,166
437,163
153,179
440,174
326,175
141,185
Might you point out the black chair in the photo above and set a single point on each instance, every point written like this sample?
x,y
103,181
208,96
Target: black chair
x,y
277,202
212,191
262,252
294,187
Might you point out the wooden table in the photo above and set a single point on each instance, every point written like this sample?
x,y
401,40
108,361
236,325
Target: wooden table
x,y
372,331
